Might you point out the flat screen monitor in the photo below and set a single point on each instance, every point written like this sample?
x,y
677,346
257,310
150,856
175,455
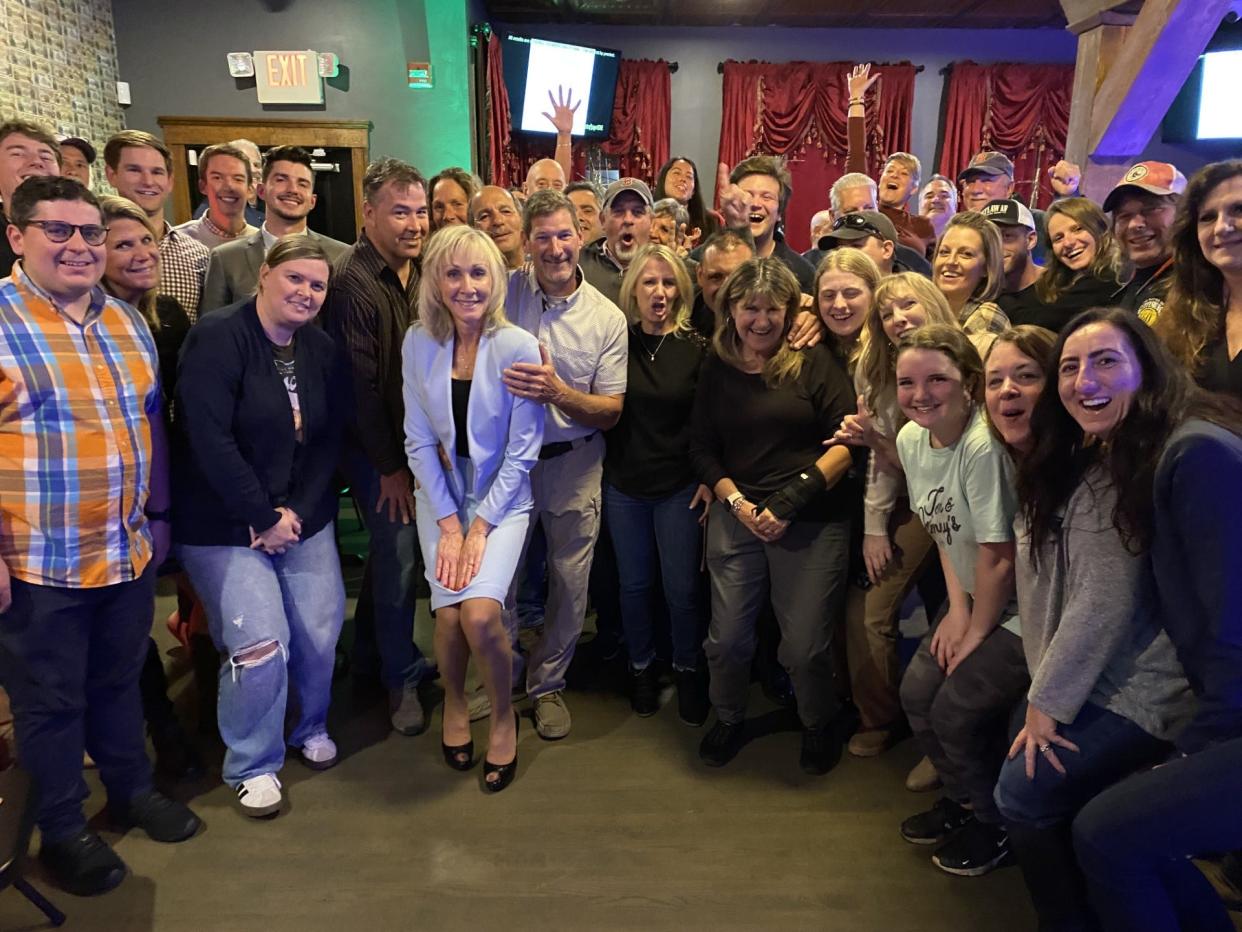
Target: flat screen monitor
x,y
536,67
1206,109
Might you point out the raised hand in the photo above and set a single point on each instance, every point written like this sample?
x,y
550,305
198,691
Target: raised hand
x,y
860,80
1064,177
562,115
734,202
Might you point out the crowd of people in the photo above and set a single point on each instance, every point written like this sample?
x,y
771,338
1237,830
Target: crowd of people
x,y
745,460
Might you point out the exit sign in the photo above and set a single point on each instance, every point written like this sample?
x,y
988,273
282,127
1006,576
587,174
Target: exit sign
x,y
418,74
288,77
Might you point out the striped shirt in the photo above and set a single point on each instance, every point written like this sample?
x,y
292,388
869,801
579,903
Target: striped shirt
x,y
75,443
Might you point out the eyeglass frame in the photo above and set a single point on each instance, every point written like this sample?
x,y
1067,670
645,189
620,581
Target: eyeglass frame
x,y
79,228
857,222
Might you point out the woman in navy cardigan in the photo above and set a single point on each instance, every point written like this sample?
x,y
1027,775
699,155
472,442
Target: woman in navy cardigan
x,y
471,445
261,402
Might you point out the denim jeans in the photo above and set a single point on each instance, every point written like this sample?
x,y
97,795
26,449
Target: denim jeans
x,y
644,531
1038,812
1134,842
394,562
70,659
295,599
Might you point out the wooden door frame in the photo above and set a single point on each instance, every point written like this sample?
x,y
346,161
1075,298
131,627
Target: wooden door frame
x,y
182,133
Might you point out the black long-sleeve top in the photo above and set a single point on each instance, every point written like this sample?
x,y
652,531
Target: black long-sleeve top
x,y
1197,494
367,312
762,437
648,448
238,456
1086,292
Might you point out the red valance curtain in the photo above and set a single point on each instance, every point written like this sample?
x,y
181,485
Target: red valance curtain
x,y
1020,110
798,110
641,115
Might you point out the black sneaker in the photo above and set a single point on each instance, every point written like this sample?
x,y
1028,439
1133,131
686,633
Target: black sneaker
x,y
721,744
175,754
163,819
84,865
821,750
692,701
974,851
937,823
645,691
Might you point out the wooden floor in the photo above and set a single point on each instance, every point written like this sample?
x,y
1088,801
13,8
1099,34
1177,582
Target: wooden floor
x,y
616,827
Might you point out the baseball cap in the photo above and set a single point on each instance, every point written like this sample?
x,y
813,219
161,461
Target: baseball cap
x,y
987,162
621,185
1009,212
79,143
858,225
1152,177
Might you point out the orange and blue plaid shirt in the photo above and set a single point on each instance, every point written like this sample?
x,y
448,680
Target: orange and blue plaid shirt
x,y
75,443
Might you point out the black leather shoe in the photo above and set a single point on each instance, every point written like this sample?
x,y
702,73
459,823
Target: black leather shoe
x,y
458,756
645,691
163,819
721,744
504,772
692,701
821,750
84,864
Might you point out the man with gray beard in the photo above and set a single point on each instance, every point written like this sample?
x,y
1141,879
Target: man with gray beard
x,y
627,228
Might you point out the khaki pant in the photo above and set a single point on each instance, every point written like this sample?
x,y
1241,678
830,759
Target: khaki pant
x,y
871,622
567,491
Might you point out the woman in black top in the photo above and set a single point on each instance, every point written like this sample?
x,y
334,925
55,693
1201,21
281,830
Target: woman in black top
x,y
1083,266
261,405
781,520
132,273
1202,317
650,491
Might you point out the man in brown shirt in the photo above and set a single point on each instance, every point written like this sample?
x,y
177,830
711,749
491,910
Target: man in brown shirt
x,y
900,177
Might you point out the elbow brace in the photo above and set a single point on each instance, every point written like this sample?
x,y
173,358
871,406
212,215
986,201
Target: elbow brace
x,y
796,494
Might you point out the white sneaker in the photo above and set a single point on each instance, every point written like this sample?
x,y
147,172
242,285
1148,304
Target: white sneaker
x,y
319,751
260,796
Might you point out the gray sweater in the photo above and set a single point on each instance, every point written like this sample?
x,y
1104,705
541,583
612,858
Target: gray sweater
x,y
1088,632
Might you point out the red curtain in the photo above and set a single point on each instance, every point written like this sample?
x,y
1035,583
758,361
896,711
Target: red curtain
x,y
798,110
639,137
1020,110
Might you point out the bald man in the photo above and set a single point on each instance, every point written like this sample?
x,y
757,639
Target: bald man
x,y
544,174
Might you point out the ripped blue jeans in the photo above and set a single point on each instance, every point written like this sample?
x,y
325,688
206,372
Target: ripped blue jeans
x,y
275,621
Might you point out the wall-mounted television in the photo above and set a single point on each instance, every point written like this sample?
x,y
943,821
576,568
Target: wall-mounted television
x,y
1206,109
535,67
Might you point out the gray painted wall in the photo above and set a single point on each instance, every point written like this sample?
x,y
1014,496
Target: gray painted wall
x,y
173,56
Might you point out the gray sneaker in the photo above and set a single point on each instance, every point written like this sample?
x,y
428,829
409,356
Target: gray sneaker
x,y
406,708
480,705
552,719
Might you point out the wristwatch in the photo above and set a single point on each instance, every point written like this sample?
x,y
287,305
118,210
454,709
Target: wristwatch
x,y
735,501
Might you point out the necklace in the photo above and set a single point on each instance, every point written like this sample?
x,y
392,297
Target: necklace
x,y
651,353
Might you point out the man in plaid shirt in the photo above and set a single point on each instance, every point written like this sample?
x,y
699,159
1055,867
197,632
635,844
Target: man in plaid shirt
x,y
140,167
83,525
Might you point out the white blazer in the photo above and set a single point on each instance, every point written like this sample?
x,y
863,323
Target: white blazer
x,y
505,432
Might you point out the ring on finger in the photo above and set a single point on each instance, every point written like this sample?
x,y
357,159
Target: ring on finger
x,y
1045,748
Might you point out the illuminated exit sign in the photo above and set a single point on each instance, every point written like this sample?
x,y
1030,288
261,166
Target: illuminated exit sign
x,y
288,77
418,74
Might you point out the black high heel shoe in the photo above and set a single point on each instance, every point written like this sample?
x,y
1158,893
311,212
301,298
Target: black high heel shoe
x,y
505,772
453,754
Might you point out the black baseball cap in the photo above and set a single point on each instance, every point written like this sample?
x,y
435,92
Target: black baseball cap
x,y
858,225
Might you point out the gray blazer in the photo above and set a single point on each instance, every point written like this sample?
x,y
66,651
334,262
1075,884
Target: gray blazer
x,y
233,270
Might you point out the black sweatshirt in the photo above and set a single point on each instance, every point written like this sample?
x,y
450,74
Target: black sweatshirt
x,y
762,437
648,450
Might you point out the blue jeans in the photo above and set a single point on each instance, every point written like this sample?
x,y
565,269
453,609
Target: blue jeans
x,y
70,659
1135,839
294,601
393,564
643,531
1038,812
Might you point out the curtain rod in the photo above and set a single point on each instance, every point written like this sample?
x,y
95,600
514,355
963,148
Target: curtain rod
x,y
918,69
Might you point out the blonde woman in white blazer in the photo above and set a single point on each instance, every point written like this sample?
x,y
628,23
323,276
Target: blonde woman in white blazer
x,y
471,444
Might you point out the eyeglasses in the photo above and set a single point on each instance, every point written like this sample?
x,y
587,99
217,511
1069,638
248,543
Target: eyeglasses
x,y
856,222
57,231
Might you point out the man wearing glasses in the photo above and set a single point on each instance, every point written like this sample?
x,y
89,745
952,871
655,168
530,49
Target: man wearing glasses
x,y
876,235
84,523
